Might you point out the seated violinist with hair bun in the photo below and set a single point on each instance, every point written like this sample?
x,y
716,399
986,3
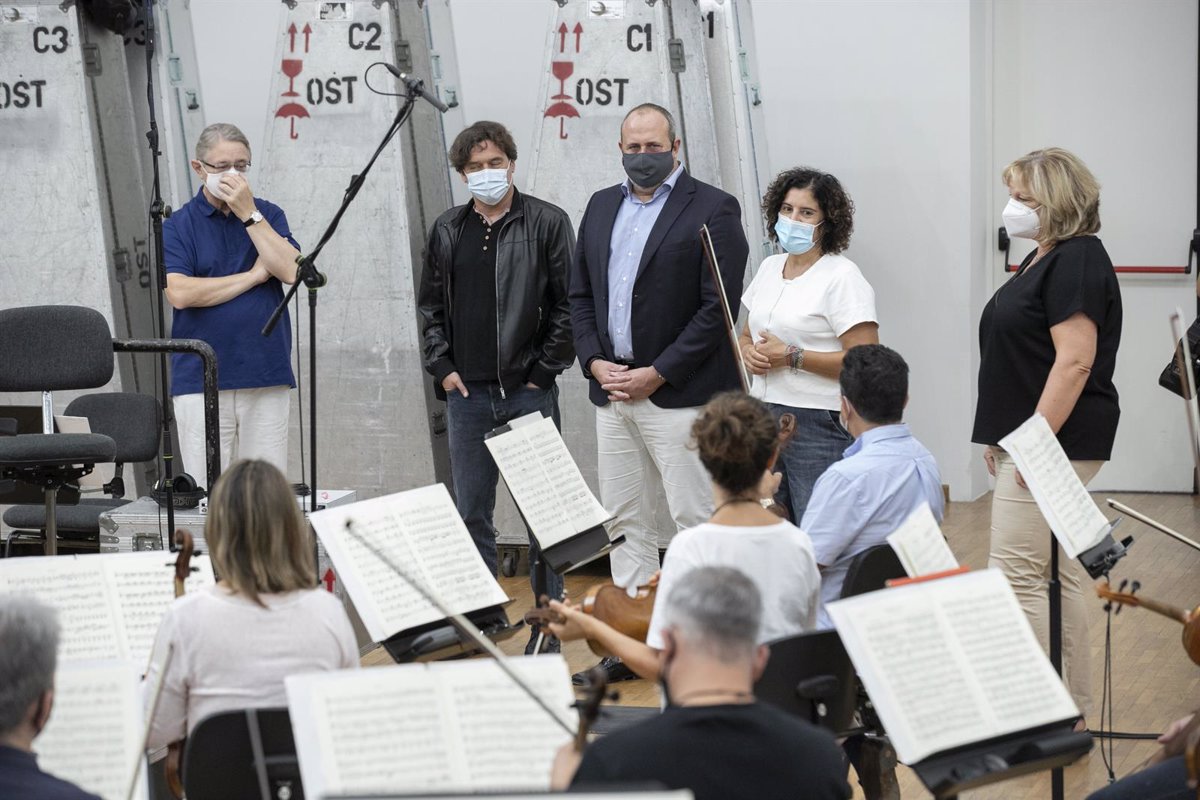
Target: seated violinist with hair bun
x,y
235,642
737,439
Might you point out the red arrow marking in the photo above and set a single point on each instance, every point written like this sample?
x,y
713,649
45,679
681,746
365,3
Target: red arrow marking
x,y
328,578
562,37
292,33
307,33
578,31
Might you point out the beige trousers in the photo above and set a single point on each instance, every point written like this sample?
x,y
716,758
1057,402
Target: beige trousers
x,y
1020,548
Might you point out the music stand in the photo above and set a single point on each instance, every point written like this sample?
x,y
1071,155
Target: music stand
x,y
441,641
1054,746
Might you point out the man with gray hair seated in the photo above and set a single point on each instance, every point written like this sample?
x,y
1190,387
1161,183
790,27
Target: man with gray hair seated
x,y
28,656
713,738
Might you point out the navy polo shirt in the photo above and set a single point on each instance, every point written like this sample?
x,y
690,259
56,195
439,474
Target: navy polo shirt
x,y
201,242
22,779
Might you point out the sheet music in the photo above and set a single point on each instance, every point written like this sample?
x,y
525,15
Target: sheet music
x,y
1062,498
950,662
420,531
920,545
450,726
143,588
544,481
491,709
94,735
76,588
109,605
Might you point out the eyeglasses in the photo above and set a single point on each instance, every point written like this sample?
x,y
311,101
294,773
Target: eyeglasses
x,y
240,166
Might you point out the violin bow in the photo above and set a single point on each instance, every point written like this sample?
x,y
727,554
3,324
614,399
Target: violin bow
x,y
710,255
464,625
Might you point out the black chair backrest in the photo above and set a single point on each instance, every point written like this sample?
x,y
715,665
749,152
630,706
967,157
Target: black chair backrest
x,y
811,676
47,348
219,759
130,419
870,570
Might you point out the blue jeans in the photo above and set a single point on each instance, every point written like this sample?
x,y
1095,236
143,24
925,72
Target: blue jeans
x,y
475,473
817,443
1166,780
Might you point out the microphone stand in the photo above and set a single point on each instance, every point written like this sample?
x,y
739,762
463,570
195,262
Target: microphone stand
x,y
465,627
307,273
159,211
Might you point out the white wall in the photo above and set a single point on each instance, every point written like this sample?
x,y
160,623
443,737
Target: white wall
x,y
880,95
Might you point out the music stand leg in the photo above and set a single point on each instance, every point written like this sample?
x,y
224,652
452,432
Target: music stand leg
x,y
1055,609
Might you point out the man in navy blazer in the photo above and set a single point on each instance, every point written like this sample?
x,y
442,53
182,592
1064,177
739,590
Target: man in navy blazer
x,y
650,334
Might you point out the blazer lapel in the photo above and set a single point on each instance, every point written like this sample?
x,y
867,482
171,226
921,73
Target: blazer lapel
x,y
606,217
677,201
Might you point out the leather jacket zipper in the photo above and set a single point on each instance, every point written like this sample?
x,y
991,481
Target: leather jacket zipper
x,y
499,341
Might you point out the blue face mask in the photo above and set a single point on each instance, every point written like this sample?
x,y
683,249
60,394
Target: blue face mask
x,y
795,237
488,185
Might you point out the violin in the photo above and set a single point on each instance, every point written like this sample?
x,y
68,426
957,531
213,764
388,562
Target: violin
x,y
1190,619
610,604
186,546
595,691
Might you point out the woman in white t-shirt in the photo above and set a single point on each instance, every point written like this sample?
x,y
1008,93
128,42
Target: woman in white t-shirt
x,y
736,437
234,643
808,306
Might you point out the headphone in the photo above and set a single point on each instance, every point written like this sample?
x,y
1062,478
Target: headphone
x,y
184,492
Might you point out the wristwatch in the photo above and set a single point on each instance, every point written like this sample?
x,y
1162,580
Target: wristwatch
x,y
254,218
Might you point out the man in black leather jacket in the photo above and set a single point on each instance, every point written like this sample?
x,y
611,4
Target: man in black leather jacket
x,y
496,322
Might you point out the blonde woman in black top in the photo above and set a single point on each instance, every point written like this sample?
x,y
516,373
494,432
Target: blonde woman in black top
x,y
1048,343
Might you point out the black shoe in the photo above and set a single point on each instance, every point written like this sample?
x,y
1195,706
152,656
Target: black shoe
x,y
550,644
615,669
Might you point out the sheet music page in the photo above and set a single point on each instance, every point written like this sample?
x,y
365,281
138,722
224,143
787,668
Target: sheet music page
x,y
920,545
950,662
1062,498
76,587
404,728
95,730
142,586
545,481
420,530
507,739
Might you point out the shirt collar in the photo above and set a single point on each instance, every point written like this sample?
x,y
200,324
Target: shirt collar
x,y
206,207
666,186
879,434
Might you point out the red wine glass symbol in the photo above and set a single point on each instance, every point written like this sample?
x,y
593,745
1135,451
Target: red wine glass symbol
x,y
562,70
291,67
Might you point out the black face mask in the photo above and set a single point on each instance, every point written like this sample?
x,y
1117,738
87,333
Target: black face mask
x,y
648,170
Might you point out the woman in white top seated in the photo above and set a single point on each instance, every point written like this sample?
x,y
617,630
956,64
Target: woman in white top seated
x,y
235,642
737,437
808,306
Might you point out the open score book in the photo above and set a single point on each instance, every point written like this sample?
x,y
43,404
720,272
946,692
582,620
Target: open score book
x,y
950,662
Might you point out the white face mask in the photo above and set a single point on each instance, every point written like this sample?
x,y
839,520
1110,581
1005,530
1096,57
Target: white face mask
x,y
488,185
1020,220
213,181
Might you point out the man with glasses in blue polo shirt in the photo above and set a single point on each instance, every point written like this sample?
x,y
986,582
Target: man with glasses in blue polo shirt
x,y
227,255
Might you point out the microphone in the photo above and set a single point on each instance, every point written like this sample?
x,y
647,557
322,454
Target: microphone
x,y
417,86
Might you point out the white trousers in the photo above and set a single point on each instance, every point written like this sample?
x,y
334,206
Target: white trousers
x,y
254,424
642,448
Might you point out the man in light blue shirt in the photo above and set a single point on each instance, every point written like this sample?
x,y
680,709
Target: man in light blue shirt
x,y
882,478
